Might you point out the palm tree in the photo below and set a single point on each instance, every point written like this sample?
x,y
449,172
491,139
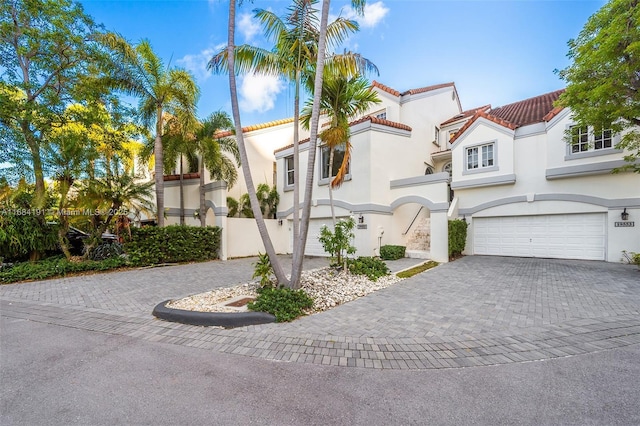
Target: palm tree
x,y
139,72
342,99
211,147
297,47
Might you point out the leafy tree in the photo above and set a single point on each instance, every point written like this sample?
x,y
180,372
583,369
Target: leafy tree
x,y
342,99
297,47
47,50
138,71
603,82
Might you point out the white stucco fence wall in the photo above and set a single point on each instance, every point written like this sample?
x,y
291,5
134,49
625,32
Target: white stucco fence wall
x,y
243,238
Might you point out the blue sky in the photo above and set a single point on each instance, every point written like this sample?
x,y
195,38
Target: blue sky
x,y
496,52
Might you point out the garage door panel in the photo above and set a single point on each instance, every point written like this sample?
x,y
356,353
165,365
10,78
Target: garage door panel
x,y
571,236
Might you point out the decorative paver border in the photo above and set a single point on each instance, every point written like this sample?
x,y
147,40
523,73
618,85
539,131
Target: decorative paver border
x,y
573,337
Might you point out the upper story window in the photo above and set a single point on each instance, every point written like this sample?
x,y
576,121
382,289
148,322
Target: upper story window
x,y
382,115
288,170
436,136
447,168
452,133
338,156
586,141
480,156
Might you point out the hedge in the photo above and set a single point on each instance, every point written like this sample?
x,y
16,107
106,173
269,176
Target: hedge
x,y
172,244
390,252
457,236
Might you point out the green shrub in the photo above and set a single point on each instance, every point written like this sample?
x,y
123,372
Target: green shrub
x,y
152,245
390,252
417,269
338,242
457,237
286,304
55,267
370,266
262,269
106,250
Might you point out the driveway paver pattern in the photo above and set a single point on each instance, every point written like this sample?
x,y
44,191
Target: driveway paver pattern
x,y
475,311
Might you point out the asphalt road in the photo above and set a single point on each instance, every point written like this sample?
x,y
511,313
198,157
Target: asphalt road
x,y
55,375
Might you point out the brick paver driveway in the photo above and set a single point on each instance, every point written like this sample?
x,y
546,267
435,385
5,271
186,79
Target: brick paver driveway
x,y
474,311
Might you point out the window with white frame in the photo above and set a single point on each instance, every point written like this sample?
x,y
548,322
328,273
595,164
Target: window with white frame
x,y
338,156
382,115
288,170
480,157
585,139
436,136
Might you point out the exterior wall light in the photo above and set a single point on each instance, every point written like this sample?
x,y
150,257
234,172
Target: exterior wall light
x,y
196,214
624,214
280,222
360,218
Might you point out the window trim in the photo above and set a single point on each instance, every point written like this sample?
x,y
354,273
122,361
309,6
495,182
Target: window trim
x,y
288,186
325,181
480,169
591,151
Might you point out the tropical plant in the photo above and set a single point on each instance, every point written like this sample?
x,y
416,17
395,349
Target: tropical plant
x,y
138,71
298,45
338,242
218,153
343,98
284,303
262,269
370,267
603,82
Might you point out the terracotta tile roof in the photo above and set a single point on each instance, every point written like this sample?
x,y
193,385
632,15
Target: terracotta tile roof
x,y
259,126
394,92
184,176
385,88
529,111
372,119
518,114
465,114
376,120
427,88
478,115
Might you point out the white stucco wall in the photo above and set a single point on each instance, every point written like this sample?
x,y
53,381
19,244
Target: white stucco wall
x,y
544,183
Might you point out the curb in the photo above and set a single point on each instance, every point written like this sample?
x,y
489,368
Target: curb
x,y
221,319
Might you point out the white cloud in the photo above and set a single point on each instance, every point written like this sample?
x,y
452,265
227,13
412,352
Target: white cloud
x,y
248,26
259,92
373,14
197,63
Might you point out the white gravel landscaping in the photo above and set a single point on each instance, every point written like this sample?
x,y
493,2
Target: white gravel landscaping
x,y
327,286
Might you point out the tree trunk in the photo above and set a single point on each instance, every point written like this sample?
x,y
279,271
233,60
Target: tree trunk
x,y
203,216
34,148
244,160
333,210
159,169
64,219
181,193
296,161
299,246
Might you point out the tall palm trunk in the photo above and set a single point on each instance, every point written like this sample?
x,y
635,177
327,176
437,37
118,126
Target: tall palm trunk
x,y
296,160
203,217
244,160
333,210
181,193
299,248
159,169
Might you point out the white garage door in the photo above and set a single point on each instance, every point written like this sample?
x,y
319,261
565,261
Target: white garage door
x,y
568,236
313,248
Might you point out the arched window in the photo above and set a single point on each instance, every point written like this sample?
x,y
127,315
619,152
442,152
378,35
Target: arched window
x,y
447,168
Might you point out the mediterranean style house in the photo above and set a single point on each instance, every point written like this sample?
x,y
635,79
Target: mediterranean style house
x,y
419,160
